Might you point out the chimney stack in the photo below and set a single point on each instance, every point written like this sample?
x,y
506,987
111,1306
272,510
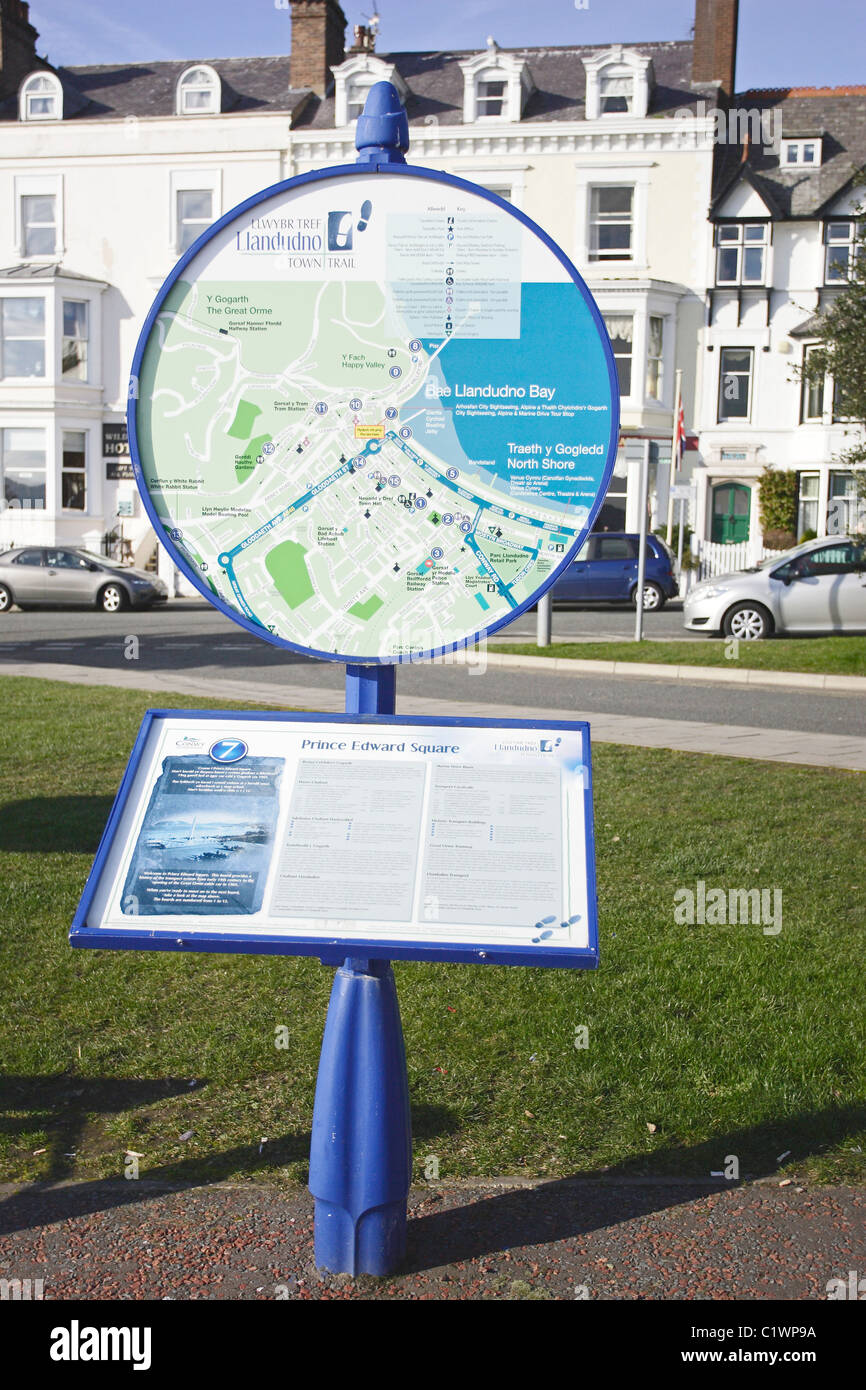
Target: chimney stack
x,y
714,55
17,46
318,43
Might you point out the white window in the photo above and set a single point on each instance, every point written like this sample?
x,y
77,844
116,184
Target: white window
x,y
195,204
357,89
812,401
611,223
839,240
620,328
41,98
22,337
654,357
741,250
735,383
194,213
807,505
73,473
490,94
801,154
198,92
615,92
496,85
22,466
75,336
619,82
38,224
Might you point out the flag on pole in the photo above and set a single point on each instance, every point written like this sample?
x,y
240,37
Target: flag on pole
x,y
679,437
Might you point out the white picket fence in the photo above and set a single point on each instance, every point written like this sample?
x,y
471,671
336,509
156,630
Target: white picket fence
x,y
720,557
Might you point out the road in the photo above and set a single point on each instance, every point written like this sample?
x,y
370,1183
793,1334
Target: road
x,y
192,638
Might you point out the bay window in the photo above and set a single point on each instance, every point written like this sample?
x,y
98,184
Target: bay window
x,y
23,467
22,337
620,328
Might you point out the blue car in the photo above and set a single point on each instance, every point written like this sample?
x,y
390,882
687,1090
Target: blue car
x,y
605,571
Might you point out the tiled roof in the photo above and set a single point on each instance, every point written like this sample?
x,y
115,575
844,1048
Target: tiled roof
x,y
434,81
148,89
838,114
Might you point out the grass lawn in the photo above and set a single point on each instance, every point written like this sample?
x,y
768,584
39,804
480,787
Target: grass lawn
x,y
838,656
703,1041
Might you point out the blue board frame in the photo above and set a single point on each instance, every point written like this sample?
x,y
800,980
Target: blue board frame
x,y
336,951
318,176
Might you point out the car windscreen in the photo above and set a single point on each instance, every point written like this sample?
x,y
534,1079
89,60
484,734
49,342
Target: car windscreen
x,y
100,560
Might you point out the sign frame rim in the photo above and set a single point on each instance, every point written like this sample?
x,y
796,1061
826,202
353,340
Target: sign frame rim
x,y
337,172
330,951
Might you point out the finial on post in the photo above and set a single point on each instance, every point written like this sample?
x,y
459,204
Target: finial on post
x,y
382,134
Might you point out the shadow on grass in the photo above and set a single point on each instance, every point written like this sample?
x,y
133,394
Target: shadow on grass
x,y
65,1105
54,824
557,1210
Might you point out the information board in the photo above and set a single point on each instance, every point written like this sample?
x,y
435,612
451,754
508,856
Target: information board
x,y
372,415
335,835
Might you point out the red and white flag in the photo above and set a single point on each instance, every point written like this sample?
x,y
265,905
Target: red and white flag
x,y
679,437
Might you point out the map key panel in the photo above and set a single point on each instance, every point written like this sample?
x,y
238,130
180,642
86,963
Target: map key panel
x,y
373,414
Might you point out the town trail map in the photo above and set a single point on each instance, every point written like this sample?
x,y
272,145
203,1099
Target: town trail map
x,y
372,415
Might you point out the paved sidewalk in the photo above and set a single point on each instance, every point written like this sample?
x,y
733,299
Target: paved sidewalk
x,y
575,1238
684,735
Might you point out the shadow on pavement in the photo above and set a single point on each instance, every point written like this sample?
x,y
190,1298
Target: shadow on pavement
x,y
570,1207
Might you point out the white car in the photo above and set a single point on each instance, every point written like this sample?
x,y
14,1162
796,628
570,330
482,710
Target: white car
x,y
819,586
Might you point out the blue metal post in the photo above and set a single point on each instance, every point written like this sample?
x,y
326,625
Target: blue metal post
x,y
361,1149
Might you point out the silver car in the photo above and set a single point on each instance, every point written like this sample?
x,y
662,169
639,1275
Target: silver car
x,y
60,575
819,586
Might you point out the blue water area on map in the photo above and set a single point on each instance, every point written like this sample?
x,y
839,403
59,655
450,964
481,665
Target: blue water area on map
x,y
560,349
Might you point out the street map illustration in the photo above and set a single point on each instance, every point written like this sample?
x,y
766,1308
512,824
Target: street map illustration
x,y
372,415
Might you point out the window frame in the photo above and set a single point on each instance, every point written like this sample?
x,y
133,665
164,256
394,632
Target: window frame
x,y
192,181
54,93
70,469
212,86
741,243
31,226
621,356
614,72
594,253
5,337
75,338
849,241
798,146
24,504
746,416
658,394
808,386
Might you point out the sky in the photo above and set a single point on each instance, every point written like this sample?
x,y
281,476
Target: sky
x,y
781,42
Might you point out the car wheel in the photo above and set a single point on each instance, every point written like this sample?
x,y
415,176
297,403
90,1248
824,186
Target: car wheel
x,y
6,599
747,621
112,598
653,598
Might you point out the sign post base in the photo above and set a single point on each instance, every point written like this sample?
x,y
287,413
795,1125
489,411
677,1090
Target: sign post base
x,y
361,1150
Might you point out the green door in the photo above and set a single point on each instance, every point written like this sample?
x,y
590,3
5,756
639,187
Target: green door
x,y
731,506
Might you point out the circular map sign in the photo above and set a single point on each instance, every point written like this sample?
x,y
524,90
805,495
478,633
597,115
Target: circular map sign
x,y
372,415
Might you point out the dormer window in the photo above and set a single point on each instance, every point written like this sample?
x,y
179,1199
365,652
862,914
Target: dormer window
x,y
41,98
496,86
490,99
198,92
615,92
618,83
801,154
353,80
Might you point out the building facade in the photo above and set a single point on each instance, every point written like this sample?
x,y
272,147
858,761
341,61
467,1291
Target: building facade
x,y
109,172
780,245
